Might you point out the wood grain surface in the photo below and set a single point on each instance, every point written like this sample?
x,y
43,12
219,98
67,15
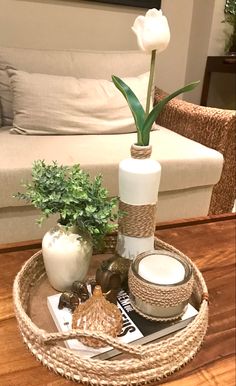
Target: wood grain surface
x,y
211,245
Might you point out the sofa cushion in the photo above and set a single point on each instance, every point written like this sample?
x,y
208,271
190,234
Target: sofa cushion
x,y
80,64
185,163
51,104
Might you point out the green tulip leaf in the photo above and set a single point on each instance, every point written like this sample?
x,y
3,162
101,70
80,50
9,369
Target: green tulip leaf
x,y
146,128
134,104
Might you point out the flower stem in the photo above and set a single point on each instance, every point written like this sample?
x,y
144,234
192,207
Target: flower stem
x,y
150,83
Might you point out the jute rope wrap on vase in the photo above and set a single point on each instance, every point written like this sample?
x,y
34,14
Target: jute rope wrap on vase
x,y
137,220
145,363
140,152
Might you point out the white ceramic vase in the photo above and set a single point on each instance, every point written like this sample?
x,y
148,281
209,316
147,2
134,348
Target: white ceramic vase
x,y
139,180
66,256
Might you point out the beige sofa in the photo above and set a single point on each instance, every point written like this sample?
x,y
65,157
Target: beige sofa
x,y
189,169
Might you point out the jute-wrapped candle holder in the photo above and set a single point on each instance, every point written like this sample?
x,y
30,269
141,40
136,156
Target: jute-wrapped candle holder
x,y
160,302
144,364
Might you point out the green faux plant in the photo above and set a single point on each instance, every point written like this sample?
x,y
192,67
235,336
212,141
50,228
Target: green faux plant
x,y
71,193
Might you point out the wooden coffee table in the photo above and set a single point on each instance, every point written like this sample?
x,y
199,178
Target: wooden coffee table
x,y
210,242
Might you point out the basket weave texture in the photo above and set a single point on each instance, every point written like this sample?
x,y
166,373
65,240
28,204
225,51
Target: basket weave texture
x,y
145,363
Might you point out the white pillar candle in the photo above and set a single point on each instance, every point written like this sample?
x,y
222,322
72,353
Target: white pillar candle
x,y
161,269
139,181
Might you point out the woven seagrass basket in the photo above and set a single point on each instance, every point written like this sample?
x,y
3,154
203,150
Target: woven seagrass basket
x,y
144,363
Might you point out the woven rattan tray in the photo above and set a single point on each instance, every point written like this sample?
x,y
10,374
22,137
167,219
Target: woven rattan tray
x,y
143,363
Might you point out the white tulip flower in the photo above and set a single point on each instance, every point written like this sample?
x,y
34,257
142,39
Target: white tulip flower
x,y
152,31
153,36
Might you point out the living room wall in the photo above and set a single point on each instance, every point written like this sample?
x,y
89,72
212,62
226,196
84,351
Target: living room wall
x,y
62,24
90,25
222,87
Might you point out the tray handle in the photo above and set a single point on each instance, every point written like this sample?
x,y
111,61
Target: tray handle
x,y
52,338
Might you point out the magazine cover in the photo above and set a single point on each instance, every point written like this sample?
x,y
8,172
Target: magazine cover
x,y
135,328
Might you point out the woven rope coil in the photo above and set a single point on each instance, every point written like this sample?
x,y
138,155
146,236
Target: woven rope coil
x,y
138,220
163,297
140,152
154,318
147,363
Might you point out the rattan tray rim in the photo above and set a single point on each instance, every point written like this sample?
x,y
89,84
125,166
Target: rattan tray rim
x,y
147,363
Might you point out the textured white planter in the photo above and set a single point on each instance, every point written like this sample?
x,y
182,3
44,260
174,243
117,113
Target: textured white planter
x,y
139,181
66,256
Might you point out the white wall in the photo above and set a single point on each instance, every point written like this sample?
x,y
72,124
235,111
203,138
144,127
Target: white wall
x,y
66,24
89,25
171,65
198,46
79,24
218,30
222,92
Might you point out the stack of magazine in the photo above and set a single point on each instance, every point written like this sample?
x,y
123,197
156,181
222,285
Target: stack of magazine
x,y
136,329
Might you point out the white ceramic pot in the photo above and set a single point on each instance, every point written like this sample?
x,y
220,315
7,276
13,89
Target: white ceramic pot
x,y
139,181
66,256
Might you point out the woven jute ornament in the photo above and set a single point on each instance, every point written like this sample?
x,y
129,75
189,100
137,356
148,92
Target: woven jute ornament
x,y
97,314
145,364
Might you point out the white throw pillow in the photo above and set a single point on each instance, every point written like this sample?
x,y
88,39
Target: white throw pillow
x,y
50,104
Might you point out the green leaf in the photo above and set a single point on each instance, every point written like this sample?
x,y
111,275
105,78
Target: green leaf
x,y
133,102
74,196
158,108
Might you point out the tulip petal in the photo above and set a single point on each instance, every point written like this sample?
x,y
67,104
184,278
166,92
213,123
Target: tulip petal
x,y
138,24
154,13
138,30
152,31
156,34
